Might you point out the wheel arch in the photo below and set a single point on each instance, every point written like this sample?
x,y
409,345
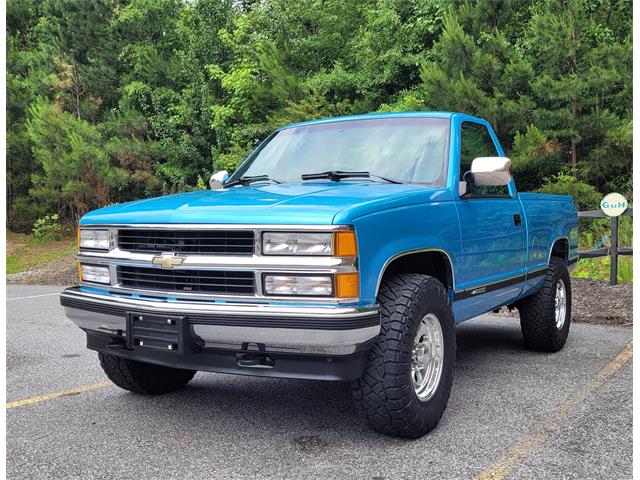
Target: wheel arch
x,y
559,248
429,261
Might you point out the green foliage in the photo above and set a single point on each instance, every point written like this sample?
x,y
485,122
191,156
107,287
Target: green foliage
x,y
535,156
600,269
585,196
23,213
201,184
75,174
47,228
112,100
596,233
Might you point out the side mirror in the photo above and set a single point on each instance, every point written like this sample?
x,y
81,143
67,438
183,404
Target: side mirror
x,y
217,179
491,171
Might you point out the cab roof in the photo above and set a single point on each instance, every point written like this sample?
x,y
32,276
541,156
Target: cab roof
x,y
368,116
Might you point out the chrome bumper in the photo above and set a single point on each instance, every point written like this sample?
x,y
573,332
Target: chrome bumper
x,y
326,329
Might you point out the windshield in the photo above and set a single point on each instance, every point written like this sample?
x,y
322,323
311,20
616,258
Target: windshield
x,y
408,149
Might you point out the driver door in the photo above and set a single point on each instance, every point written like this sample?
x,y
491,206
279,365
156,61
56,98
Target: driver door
x,y
492,225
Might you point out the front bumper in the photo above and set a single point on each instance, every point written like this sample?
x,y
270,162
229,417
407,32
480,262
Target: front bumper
x,y
317,330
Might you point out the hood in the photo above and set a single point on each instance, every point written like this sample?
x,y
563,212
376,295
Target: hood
x,y
319,203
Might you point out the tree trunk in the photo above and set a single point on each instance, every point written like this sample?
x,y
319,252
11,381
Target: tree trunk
x,y
76,89
574,103
574,153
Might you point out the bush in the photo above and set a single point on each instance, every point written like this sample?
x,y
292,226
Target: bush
x,y
585,196
23,213
47,228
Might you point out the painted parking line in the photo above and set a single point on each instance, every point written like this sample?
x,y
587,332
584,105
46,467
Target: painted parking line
x,y
522,450
34,296
54,395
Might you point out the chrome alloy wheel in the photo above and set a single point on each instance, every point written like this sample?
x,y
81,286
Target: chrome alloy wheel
x,y
561,304
427,357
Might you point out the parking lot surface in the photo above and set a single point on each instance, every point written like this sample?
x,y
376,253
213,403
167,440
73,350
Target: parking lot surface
x,y
512,413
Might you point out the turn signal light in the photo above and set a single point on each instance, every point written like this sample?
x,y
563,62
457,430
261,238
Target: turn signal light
x,y
346,244
347,285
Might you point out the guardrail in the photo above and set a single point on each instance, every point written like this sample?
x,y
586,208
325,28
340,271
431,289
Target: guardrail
x,y
614,250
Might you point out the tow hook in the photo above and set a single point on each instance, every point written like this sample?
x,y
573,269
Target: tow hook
x,y
117,344
254,360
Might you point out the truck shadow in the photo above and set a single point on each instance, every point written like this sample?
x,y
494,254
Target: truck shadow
x,y
314,410
499,336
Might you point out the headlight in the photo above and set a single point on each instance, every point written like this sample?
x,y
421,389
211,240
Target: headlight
x,y
312,285
94,239
95,274
346,285
282,243
341,244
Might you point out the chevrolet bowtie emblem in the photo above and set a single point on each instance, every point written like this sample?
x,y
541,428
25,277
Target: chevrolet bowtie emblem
x,y
167,260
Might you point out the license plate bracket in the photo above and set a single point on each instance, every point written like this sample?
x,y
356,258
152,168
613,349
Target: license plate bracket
x,y
158,332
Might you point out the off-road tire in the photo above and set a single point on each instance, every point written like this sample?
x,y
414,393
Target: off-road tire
x,y
385,395
537,312
141,377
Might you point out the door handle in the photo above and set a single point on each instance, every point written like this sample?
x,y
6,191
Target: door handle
x,y
517,219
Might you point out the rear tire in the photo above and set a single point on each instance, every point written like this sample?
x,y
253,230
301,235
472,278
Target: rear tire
x,y
393,395
144,378
544,323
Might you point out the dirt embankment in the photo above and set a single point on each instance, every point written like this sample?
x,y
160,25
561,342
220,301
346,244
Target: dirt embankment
x,y
62,271
595,301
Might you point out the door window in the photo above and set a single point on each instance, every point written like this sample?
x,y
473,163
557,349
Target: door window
x,y
476,142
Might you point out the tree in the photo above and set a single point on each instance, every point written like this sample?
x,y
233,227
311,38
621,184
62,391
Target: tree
x,y
76,175
477,67
149,96
579,63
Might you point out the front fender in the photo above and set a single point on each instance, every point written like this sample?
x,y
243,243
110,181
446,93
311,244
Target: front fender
x,y
388,234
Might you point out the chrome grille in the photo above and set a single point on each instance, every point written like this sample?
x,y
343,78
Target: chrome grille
x,y
214,242
197,281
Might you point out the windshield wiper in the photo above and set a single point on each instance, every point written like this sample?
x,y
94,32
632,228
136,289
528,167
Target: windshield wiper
x,y
337,175
246,180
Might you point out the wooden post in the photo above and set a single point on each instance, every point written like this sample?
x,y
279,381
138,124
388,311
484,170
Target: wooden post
x,y
613,279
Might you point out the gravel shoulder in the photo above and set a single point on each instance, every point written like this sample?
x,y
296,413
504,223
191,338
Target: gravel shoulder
x,y
597,302
62,271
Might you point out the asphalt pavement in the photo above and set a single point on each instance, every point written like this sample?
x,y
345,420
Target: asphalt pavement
x,y
512,413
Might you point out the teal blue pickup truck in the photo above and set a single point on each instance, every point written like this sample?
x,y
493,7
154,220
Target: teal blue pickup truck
x,y
341,249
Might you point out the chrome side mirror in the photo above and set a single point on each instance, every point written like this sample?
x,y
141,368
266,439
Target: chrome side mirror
x,y
491,171
217,179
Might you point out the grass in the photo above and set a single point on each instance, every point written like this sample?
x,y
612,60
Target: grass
x,y
25,252
598,269
596,233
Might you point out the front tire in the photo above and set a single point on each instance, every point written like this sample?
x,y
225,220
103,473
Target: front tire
x,y
144,378
407,382
545,316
